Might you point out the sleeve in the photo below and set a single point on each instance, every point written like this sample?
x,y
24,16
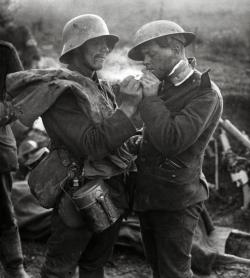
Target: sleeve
x,y
174,133
2,114
80,134
14,62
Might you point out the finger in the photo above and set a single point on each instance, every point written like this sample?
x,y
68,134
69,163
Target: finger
x,y
126,80
151,76
145,71
146,83
137,86
132,83
149,82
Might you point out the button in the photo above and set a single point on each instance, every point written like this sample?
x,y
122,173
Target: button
x,y
173,176
145,141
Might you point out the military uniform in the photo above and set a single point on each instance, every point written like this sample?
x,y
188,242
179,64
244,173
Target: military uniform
x,y
93,130
170,187
80,116
10,246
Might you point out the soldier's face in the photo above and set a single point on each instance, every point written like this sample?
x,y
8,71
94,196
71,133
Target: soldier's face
x,y
158,60
94,53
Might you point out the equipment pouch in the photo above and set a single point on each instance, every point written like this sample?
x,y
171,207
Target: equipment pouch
x,y
96,206
47,179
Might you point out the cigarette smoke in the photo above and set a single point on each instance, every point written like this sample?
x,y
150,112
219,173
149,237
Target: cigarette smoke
x,y
118,66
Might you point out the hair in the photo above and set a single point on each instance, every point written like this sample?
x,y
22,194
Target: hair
x,y
174,42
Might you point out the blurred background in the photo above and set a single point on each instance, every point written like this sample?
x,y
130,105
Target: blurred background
x,y
212,19
222,28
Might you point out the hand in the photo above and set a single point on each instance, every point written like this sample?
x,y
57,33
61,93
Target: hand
x,y
7,113
150,84
130,86
133,144
131,92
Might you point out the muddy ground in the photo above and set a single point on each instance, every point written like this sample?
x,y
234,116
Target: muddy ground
x,y
126,263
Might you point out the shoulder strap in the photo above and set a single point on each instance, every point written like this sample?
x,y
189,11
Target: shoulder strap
x,y
109,91
205,80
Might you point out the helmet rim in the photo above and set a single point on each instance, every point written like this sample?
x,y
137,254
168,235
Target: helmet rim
x,y
81,29
65,51
135,53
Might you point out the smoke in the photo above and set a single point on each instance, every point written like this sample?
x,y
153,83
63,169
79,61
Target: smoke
x,y
118,66
48,63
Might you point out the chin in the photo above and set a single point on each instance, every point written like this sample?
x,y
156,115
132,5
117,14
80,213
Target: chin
x,y
98,67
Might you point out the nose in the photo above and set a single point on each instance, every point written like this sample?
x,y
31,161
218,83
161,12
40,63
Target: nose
x,y
146,60
104,47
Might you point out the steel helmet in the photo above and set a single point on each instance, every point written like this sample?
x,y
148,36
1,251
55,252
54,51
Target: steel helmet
x,y
26,147
36,156
157,29
82,28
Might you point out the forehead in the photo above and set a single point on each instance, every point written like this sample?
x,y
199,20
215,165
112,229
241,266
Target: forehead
x,y
95,41
149,46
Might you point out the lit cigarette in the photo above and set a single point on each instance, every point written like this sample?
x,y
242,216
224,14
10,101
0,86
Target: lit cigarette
x,y
138,76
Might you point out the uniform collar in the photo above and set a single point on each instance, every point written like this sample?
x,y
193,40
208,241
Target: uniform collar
x,y
182,71
94,77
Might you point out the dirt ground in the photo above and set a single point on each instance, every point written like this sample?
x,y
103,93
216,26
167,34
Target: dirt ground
x,y
126,263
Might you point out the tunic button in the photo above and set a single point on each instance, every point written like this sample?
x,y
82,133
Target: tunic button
x,y
173,176
145,141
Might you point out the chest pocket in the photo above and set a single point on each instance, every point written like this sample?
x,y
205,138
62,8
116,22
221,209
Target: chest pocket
x,y
101,105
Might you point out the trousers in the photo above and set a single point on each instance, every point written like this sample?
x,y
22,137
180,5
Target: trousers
x,y
10,245
167,237
70,247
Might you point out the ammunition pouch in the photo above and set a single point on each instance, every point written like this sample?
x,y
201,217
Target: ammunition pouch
x,y
95,205
47,179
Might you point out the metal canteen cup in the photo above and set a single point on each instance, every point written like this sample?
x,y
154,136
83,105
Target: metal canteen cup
x,y
95,205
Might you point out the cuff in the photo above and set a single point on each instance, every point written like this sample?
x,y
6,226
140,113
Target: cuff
x,y
126,123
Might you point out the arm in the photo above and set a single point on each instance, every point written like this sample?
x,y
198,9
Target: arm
x,y
174,134
76,129
14,62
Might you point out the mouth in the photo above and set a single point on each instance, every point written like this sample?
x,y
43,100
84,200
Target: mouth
x,y
150,69
100,57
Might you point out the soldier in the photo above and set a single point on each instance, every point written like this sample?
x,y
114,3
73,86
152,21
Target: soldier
x,y
82,119
10,246
94,133
180,109
23,40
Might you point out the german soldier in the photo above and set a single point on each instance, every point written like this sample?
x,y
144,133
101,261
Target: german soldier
x,y
82,119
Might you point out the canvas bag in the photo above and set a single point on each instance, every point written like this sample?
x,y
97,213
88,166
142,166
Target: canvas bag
x,y
47,179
